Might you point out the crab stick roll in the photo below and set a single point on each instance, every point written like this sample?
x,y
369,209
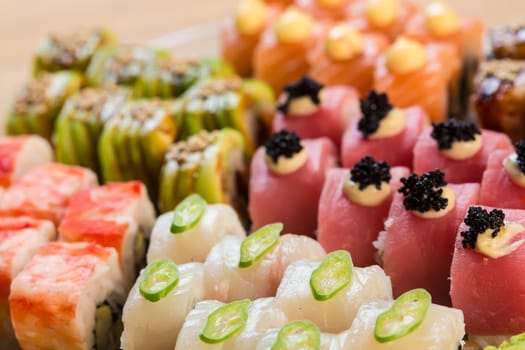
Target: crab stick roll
x,y
347,57
412,321
281,55
458,148
175,234
433,68
68,296
330,292
354,205
158,303
44,191
422,225
18,154
252,267
20,238
383,131
314,111
329,10
287,177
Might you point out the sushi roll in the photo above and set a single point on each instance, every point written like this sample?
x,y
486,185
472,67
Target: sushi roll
x,y
346,56
68,296
458,148
421,230
19,154
330,292
385,17
281,55
312,110
488,255
354,205
80,124
174,234
507,42
117,215
70,51
516,340
211,164
20,238
497,99
433,68
44,191
328,10
153,314
383,131
412,321
287,177
252,267
38,103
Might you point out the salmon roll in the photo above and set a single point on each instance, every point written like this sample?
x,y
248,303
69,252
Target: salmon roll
x,y
281,55
439,23
20,238
507,42
69,296
44,191
347,57
19,154
329,10
409,63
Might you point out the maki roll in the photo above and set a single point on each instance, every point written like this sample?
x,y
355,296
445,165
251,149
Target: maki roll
x,y
354,205
347,57
383,131
68,296
117,215
152,317
174,235
80,124
44,191
313,111
287,177
70,51
458,148
211,164
38,103
19,154
20,238
420,232
507,42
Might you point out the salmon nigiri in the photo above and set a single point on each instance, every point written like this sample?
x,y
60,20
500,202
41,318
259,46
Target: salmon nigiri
x,y
325,9
347,57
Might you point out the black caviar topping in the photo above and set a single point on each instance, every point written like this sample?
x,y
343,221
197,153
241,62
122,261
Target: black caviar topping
x,y
520,152
374,109
423,193
446,133
369,172
283,144
479,220
304,87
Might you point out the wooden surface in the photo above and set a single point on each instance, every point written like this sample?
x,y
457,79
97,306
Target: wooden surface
x,y
24,22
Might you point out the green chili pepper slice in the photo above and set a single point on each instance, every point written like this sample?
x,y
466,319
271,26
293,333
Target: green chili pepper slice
x,y
160,277
259,243
298,335
225,321
188,213
333,274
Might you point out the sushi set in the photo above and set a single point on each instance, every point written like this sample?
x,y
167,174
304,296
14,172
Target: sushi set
x,y
350,174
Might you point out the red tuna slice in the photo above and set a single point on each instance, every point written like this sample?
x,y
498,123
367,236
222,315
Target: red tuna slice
x,y
346,225
427,157
491,292
292,199
418,252
497,188
395,150
339,105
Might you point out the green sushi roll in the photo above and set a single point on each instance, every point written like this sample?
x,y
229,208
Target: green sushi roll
x,y
38,103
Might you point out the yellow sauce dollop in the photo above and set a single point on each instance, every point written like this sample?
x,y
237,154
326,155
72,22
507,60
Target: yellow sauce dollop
x,y
501,245
441,19
391,125
405,56
293,26
368,197
381,13
343,43
285,165
461,150
250,16
433,214
513,171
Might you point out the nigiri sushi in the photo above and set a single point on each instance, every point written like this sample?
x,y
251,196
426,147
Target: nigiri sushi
x,y
297,334
314,111
354,205
68,297
287,177
458,148
329,10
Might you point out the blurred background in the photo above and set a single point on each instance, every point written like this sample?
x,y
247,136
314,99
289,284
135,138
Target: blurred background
x,y
24,22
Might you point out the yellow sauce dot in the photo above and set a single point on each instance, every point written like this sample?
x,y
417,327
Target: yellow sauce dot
x,y
284,165
343,43
405,56
250,16
293,26
382,13
441,19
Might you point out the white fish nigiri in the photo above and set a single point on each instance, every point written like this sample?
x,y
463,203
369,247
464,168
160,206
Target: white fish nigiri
x,y
328,341
155,325
194,244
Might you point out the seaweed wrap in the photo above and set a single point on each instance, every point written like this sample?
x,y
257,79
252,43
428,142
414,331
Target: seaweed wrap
x,y
70,51
38,103
80,124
